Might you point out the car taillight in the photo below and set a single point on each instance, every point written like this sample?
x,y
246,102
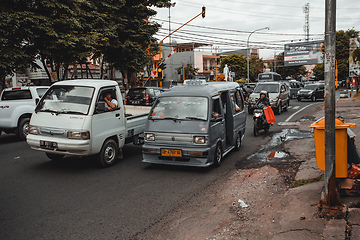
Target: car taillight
x,y
126,97
147,98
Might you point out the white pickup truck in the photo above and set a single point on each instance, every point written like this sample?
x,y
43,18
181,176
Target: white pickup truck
x,y
16,107
71,119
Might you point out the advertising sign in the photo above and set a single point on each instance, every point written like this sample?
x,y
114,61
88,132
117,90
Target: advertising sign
x,y
304,53
354,67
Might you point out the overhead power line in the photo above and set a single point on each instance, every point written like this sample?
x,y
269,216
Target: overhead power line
x,y
238,31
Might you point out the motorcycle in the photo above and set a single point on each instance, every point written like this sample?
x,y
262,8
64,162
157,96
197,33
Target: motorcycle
x,y
260,121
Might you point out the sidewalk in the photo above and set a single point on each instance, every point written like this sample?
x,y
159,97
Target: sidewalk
x,y
302,201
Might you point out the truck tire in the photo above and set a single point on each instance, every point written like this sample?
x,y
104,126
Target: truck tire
x,y
23,128
54,157
217,155
108,153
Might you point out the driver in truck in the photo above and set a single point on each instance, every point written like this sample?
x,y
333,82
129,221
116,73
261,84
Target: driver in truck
x,y
110,102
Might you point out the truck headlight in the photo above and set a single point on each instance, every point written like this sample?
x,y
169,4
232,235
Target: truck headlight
x,y
33,130
84,135
149,137
200,139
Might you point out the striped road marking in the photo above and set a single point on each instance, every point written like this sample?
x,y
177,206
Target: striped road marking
x,y
289,118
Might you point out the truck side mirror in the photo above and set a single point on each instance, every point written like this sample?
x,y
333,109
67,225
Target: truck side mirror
x,y
100,107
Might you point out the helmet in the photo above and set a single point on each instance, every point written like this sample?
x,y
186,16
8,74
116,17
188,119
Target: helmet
x,y
263,92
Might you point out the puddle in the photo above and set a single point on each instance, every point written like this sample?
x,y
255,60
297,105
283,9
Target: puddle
x,y
277,154
268,151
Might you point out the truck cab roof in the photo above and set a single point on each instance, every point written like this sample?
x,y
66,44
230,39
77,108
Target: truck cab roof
x,y
98,83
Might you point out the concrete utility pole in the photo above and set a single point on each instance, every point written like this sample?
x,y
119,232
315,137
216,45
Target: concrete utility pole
x,y
331,197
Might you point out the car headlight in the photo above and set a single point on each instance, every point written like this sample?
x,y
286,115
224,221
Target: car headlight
x,y
311,92
33,130
274,100
149,137
200,139
84,135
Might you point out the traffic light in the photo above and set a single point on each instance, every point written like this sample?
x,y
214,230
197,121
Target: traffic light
x,y
160,72
203,12
162,66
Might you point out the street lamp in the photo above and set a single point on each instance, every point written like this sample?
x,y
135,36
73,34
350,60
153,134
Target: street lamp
x,y
248,50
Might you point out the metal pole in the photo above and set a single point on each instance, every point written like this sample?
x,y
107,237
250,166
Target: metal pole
x,y
248,50
171,5
331,197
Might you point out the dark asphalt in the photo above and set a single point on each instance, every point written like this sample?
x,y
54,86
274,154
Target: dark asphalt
x,y
74,199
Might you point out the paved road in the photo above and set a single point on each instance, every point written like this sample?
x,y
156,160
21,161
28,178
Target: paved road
x,y
74,199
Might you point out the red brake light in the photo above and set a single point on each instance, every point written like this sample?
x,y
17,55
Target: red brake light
x,y
16,88
147,98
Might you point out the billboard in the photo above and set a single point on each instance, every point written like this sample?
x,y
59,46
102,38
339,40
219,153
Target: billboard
x,y
304,53
354,67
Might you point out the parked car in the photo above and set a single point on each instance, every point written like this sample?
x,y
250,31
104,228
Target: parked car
x,y
16,107
279,93
312,92
144,96
295,86
345,94
195,125
73,119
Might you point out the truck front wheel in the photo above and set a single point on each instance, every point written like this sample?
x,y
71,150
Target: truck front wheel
x,y
23,128
108,153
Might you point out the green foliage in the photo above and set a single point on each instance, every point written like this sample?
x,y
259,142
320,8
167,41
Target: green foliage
x,y
342,54
294,72
301,182
319,71
62,32
190,71
238,64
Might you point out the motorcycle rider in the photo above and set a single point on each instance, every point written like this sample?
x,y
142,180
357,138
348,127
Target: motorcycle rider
x,y
263,101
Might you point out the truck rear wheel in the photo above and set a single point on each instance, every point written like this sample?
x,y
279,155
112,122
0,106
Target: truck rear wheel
x,y
108,153
23,128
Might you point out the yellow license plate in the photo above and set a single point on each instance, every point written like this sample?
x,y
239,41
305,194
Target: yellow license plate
x,y
171,153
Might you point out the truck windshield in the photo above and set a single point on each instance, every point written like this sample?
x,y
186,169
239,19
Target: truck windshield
x,y
66,100
180,108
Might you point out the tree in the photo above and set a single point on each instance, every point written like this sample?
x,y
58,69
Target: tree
x,y
342,54
318,71
238,63
294,72
190,71
62,32
342,51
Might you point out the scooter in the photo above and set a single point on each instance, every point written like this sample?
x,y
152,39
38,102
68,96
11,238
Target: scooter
x,y
260,121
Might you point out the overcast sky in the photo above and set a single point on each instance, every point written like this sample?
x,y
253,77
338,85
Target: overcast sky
x,y
228,23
